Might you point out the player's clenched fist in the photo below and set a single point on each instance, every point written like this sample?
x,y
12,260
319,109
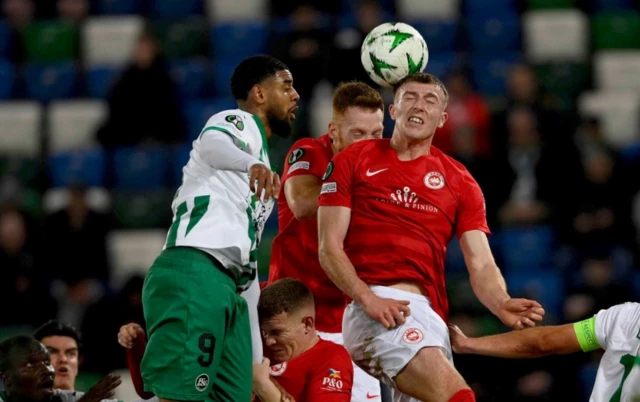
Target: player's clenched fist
x,y
388,312
262,178
129,334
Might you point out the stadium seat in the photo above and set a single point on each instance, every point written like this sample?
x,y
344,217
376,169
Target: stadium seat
x,y
175,9
442,63
191,77
563,78
21,127
489,8
7,80
100,80
556,36
618,110
73,124
6,40
181,39
198,112
87,167
545,287
116,7
133,251
222,72
489,70
234,42
45,82
228,11
612,5
494,32
440,35
529,248
617,70
142,209
616,30
50,41
139,168
351,6
550,4
179,158
24,169
98,199
110,40
425,10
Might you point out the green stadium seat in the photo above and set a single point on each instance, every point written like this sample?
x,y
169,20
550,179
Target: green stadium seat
x,y
616,31
550,4
563,78
142,209
50,41
181,39
25,169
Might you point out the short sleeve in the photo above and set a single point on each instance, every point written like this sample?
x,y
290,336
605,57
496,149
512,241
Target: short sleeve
x,y
619,321
239,128
305,159
472,212
337,182
333,379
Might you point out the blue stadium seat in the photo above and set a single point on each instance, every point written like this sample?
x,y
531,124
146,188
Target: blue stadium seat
x,y
351,6
101,79
612,5
234,42
222,72
116,7
179,158
199,111
489,7
545,287
140,168
6,40
191,78
175,9
529,248
489,70
499,32
45,82
439,35
442,63
83,166
7,80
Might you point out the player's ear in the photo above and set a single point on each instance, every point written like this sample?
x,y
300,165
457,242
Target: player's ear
x,y
309,323
392,111
6,379
443,119
258,94
333,131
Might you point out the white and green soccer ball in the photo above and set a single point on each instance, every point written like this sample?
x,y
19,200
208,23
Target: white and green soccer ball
x,y
392,51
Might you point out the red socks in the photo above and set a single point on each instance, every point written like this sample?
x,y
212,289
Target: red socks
x,y
465,395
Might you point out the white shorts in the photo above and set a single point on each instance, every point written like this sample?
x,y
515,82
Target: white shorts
x,y
365,388
383,352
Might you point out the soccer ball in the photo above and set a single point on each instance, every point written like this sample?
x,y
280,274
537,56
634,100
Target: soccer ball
x,y
392,51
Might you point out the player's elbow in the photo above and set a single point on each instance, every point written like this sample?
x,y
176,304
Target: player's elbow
x,y
542,345
326,252
303,210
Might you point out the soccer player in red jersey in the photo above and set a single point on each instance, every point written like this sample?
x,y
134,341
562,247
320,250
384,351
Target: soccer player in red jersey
x,y
358,114
387,211
310,369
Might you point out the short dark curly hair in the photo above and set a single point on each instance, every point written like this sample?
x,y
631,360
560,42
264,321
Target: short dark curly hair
x,y
57,328
251,71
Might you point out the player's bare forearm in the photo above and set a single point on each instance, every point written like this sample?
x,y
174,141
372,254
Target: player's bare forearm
x,y
302,194
268,391
333,223
528,343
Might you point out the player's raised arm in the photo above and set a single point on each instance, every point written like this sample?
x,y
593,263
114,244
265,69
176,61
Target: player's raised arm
x,y
531,342
489,286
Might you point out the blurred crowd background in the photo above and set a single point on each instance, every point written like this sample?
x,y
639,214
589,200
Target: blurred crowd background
x,y
100,100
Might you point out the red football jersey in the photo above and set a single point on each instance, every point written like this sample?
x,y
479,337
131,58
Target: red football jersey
x,y
322,373
294,252
403,213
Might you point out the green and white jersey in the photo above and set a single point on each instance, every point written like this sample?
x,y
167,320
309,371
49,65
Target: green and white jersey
x,y
617,330
214,210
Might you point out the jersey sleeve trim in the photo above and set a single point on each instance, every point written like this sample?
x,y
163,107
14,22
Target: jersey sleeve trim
x,y
237,141
586,333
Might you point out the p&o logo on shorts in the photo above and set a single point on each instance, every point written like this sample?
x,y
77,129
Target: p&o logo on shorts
x,y
202,382
412,335
278,369
434,180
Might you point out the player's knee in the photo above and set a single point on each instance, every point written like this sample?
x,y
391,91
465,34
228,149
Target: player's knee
x,y
464,395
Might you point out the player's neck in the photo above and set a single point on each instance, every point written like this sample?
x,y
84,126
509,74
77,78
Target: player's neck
x,y
410,149
313,340
252,108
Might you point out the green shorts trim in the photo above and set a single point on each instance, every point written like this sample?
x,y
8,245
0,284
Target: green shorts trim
x,y
199,344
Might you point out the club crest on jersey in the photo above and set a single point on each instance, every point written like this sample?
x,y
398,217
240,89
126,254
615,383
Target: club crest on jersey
x,y
412,335
278,369
202,382
328,172
434,180
295,155
236,121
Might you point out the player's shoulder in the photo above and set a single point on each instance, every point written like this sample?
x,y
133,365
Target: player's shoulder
x,y
308,144
336,351
627,311
235,119
449,163
369,148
